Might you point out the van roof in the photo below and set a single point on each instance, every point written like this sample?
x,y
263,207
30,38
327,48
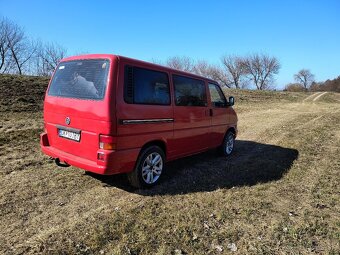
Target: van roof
x,y
148,64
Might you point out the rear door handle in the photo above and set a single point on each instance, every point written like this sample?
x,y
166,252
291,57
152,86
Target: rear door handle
x,y
211,113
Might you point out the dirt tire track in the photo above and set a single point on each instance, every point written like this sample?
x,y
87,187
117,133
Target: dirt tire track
x,y
318,97
311,97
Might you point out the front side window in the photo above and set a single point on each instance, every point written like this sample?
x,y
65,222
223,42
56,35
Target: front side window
x,y
189,92
81,79
216,95
144,86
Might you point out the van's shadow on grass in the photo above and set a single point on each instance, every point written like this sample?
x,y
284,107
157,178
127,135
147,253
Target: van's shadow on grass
x,y
250,164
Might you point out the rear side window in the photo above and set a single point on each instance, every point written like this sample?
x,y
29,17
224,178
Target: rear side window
x,y
81,79
189,92
144,86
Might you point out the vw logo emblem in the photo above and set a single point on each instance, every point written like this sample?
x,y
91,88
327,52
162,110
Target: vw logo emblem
x,y
67,120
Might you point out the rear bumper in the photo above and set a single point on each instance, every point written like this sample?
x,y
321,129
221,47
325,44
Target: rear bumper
x,y
114,161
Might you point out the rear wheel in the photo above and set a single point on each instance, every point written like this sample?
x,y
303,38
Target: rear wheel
x,y
149,167
228,144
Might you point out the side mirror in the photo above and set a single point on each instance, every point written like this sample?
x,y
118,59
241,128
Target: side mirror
x,y
231,101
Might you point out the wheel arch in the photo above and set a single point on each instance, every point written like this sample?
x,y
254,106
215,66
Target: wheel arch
x,y
158,142
231,129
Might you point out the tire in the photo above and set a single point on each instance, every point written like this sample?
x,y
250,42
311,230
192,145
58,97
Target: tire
x,y
228,144
148,169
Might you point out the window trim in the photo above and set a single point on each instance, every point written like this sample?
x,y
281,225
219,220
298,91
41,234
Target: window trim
x,y
188,77
148,69
218,88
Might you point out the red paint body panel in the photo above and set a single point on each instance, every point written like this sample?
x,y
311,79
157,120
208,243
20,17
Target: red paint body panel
x,y
190,130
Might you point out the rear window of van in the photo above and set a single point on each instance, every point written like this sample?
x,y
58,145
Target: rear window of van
x,y
81,79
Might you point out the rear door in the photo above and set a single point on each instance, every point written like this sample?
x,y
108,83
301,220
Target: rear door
x,y
76,106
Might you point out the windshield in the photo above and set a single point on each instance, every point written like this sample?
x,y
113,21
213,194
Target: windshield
x,y
81,79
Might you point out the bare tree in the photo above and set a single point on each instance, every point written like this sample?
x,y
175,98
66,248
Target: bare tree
x,y
5,58
181,63
48,57
3,45
261,69
304,77
201,67
235,68
21,48
15,48
14,37
214,72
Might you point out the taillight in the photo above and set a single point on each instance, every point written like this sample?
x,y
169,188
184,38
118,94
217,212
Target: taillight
x,y
107,142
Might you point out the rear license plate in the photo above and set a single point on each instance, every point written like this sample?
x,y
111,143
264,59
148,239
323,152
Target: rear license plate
x,y
69,135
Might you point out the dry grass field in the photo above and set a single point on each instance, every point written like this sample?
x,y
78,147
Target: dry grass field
x,y
278,194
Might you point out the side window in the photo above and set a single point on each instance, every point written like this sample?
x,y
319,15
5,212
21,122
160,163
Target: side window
x,y
144,86
216,95
189,92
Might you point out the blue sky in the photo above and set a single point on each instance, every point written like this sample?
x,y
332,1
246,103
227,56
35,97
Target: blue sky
x,y
301,34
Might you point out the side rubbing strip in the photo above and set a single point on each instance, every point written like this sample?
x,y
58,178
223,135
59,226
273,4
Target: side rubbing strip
x,y
145,121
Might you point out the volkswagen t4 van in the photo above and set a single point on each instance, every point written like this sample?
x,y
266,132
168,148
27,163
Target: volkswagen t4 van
x,y
110,114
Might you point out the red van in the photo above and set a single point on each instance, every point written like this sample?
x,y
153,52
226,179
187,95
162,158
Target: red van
x,y
110,114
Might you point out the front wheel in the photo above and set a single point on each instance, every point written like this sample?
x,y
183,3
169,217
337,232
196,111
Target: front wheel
x,y
228,144
149,167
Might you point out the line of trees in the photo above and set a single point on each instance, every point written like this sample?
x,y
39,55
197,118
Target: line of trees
x,y
305,81
20,54
328,85
234,71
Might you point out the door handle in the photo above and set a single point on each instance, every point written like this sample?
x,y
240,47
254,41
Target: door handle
x,y
211,113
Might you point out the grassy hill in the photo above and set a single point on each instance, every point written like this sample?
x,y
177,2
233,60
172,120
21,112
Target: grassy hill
x,y
278,194
26,93
22,93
